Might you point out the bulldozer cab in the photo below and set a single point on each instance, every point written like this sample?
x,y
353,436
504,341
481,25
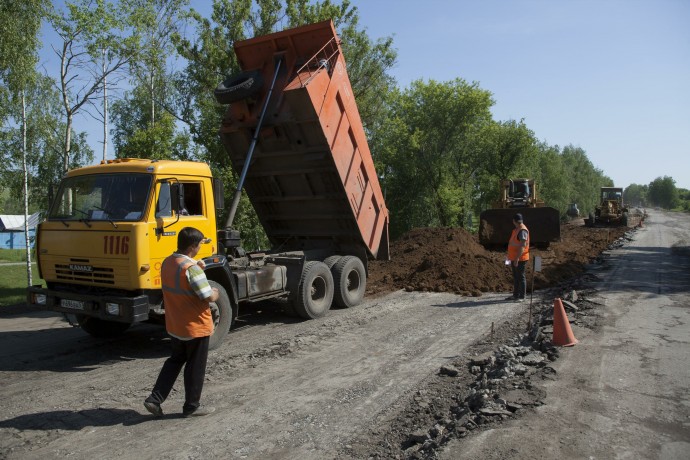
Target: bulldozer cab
x,y
516,193
519,191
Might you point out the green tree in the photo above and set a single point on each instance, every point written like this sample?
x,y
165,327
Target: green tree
x,y
508,150
18,57
554,186
93,45
662,192
156,22
684,199
635,195
45,141
586,179
136,136
428,148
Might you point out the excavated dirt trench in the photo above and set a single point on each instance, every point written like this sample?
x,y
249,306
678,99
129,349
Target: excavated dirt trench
x,y
452,260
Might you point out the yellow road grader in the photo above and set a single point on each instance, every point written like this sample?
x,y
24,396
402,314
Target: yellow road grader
x,y
611,210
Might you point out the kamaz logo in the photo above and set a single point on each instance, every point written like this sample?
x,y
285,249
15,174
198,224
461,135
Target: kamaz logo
x,y
80,268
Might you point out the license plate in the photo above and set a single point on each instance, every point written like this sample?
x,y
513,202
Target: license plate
x,y
73,304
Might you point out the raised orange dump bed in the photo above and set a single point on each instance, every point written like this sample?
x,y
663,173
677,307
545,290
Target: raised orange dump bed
x,y
311,179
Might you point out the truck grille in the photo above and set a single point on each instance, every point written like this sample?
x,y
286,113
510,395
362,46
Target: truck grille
x,y
99,275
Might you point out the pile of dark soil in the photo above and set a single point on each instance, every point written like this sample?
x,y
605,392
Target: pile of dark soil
x,y
452,260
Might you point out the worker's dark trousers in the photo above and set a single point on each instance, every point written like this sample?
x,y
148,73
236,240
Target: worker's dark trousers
x,y
191,354
519,280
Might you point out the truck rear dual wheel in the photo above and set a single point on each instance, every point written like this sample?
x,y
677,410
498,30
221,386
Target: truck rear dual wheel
x,y
331,260
315,292
350,281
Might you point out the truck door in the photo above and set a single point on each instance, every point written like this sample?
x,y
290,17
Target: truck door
x,y
191,209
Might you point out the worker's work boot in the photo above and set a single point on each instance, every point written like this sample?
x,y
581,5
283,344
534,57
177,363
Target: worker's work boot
x,y
199,411
153,407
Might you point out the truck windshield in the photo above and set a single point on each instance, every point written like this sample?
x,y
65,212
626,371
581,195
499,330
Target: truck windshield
x,y
109,197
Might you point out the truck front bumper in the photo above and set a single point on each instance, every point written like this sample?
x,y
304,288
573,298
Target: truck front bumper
x,y
109,308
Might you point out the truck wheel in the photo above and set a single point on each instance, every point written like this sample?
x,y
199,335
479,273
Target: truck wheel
x,y
101,328
315,293
350,281
331,260
239,87
223,315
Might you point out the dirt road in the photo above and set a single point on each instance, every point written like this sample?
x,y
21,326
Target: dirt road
x,y
622,392
282,390
337,387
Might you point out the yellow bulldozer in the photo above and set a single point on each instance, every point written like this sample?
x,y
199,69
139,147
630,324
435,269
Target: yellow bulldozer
x,y
611,210
519,195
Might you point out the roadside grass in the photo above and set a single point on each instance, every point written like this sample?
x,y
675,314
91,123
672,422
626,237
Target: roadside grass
x,y
13,283
14,255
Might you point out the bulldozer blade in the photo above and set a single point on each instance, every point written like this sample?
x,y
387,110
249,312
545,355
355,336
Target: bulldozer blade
x,y
496,225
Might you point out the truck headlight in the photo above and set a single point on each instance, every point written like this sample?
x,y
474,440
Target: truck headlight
x,y
112,308
40,299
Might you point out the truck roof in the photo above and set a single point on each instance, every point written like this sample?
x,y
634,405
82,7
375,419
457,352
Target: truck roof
x,y
139,165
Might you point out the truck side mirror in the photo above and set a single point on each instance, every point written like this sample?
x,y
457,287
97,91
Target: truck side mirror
x,y
218,193
176,197
163,201
168,202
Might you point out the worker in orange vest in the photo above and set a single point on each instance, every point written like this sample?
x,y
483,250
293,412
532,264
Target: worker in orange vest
x,y
518,255
188,320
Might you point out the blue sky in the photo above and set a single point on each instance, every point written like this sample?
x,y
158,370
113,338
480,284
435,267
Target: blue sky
x,y
609,76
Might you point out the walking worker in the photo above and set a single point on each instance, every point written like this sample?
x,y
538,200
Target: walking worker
x,y
518,255
188,320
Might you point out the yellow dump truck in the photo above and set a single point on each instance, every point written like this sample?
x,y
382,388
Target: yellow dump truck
x,y
293,134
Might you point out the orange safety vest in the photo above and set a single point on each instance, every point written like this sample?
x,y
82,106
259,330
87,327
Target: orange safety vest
x,y
186,315
514,245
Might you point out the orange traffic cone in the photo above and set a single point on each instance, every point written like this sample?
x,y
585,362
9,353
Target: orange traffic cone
x,y
562,334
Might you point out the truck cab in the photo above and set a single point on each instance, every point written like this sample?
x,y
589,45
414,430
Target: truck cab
x,y
107,233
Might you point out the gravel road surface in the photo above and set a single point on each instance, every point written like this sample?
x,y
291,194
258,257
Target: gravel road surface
x,y
282,388
342,386
622,392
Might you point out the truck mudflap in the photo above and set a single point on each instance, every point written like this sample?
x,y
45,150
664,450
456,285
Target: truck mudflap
x,y
108,308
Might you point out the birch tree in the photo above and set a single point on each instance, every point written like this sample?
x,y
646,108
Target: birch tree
x,y
141,129
86,28
19,44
